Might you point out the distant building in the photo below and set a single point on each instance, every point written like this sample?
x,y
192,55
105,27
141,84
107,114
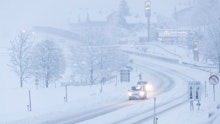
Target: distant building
x,y
172,35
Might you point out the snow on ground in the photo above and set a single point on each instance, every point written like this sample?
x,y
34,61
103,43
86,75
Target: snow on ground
x,y
49,103
178,52
180,114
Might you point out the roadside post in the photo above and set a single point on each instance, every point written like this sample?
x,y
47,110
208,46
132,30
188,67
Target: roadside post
x,y
206,90
213,80
29,96
66,94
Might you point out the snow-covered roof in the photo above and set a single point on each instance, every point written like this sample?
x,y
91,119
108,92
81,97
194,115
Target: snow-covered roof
x,y
138,19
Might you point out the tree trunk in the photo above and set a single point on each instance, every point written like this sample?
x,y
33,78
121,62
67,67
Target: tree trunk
x,y
101,85
91,76
21,82
47,83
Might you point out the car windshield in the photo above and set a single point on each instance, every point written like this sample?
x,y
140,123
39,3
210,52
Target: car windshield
x,y
136,88
141,82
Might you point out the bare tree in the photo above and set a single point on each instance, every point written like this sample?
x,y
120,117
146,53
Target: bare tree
x,y
20,56
95,64
97,59
86,60
48,62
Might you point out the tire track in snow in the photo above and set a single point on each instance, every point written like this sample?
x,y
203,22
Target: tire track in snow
x,y
90,114
77,118
171,104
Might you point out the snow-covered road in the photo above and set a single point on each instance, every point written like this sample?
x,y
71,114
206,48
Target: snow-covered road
x,y
163,84
168,81
175,78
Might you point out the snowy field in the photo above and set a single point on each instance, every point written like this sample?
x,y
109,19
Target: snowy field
x,y
48,104
86,105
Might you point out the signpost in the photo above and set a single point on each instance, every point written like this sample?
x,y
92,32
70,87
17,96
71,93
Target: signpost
x,y
197,91
191,92
213,80
194,91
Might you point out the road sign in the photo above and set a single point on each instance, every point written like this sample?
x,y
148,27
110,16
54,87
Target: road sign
x,y
197,91
125,75
191,91
213,79
194,91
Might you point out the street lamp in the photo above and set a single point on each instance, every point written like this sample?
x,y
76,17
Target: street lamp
x,y
147,14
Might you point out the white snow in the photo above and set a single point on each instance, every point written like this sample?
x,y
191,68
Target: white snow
x,y
48,104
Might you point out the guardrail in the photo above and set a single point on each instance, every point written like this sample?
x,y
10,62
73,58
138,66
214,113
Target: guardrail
x,y
153,56
175,61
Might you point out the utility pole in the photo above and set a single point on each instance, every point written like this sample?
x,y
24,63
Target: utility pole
x,y
147,14
177,25
218,63
218,53
66,97
29,94
154,121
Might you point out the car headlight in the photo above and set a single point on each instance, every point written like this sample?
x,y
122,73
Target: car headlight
x,y
141,93
148,87
129,93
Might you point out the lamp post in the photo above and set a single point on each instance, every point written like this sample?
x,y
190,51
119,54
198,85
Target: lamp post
x,y
218,54
147,14
155,119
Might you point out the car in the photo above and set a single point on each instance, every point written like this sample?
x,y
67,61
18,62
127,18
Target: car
x,y
137,92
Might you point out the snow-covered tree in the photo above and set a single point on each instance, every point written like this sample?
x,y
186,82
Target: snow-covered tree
x,y
20,55
124,9
48,62
86,61
213,45
94,64
116,19
96,60
210,23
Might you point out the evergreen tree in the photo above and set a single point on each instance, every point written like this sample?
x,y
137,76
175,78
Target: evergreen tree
x,y
124,9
